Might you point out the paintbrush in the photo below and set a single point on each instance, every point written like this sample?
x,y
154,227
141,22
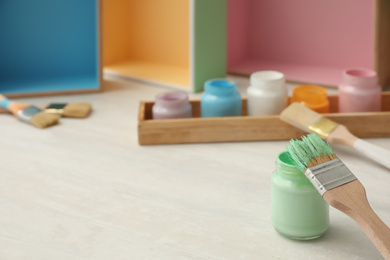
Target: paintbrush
x,y
339,187
30,114
74,110
309,121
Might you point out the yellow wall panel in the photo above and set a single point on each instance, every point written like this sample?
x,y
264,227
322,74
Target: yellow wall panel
x,y
160,31
115,25
146,30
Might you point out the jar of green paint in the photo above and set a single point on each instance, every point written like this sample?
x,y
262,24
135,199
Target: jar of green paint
x,y
297,209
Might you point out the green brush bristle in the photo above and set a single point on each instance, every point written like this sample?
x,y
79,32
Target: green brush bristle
x,y
311,146
297,151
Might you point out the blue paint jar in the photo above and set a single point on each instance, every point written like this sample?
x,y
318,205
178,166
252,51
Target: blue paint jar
x,y
221,98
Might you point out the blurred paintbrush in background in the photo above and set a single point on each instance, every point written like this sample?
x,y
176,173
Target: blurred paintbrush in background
x,y
74,110
29,114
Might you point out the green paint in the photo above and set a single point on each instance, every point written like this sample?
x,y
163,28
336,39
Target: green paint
x,y
297,209
209,44
286,158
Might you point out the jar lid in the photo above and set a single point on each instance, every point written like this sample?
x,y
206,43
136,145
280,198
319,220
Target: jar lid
x,y
267,78
172,99
309,94
220,85
361,78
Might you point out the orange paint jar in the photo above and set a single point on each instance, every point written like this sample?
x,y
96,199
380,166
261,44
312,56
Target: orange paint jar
x,y
313,97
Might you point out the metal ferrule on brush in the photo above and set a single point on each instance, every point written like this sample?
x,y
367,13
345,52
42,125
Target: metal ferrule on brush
x,y
27,113
329,175
57,108
323,127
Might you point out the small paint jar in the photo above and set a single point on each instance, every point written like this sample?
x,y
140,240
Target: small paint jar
x,y
297,209
220,99
267,94
313,97
171,105
359,91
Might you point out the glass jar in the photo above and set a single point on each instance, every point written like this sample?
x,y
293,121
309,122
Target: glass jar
x,y
220,98
297,209
359,91
313,97
171,105
267,94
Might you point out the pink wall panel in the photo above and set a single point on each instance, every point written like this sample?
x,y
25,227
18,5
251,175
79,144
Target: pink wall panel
x,y
238,30
332,34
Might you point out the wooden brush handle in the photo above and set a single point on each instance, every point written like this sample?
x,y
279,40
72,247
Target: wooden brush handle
x,y
341,135
12,107
376,153
351,199
1,98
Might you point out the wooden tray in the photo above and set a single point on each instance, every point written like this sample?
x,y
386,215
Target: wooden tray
x,y
250,128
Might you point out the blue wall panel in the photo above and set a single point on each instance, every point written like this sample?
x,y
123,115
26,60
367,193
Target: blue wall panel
x,y
48,45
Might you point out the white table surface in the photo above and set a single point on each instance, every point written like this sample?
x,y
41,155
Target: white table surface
x,y
85,189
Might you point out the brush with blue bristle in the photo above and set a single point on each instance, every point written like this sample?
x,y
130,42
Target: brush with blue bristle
x,y
339,187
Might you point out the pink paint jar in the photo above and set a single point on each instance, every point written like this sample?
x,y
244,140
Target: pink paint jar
x,y
359,91
172,105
